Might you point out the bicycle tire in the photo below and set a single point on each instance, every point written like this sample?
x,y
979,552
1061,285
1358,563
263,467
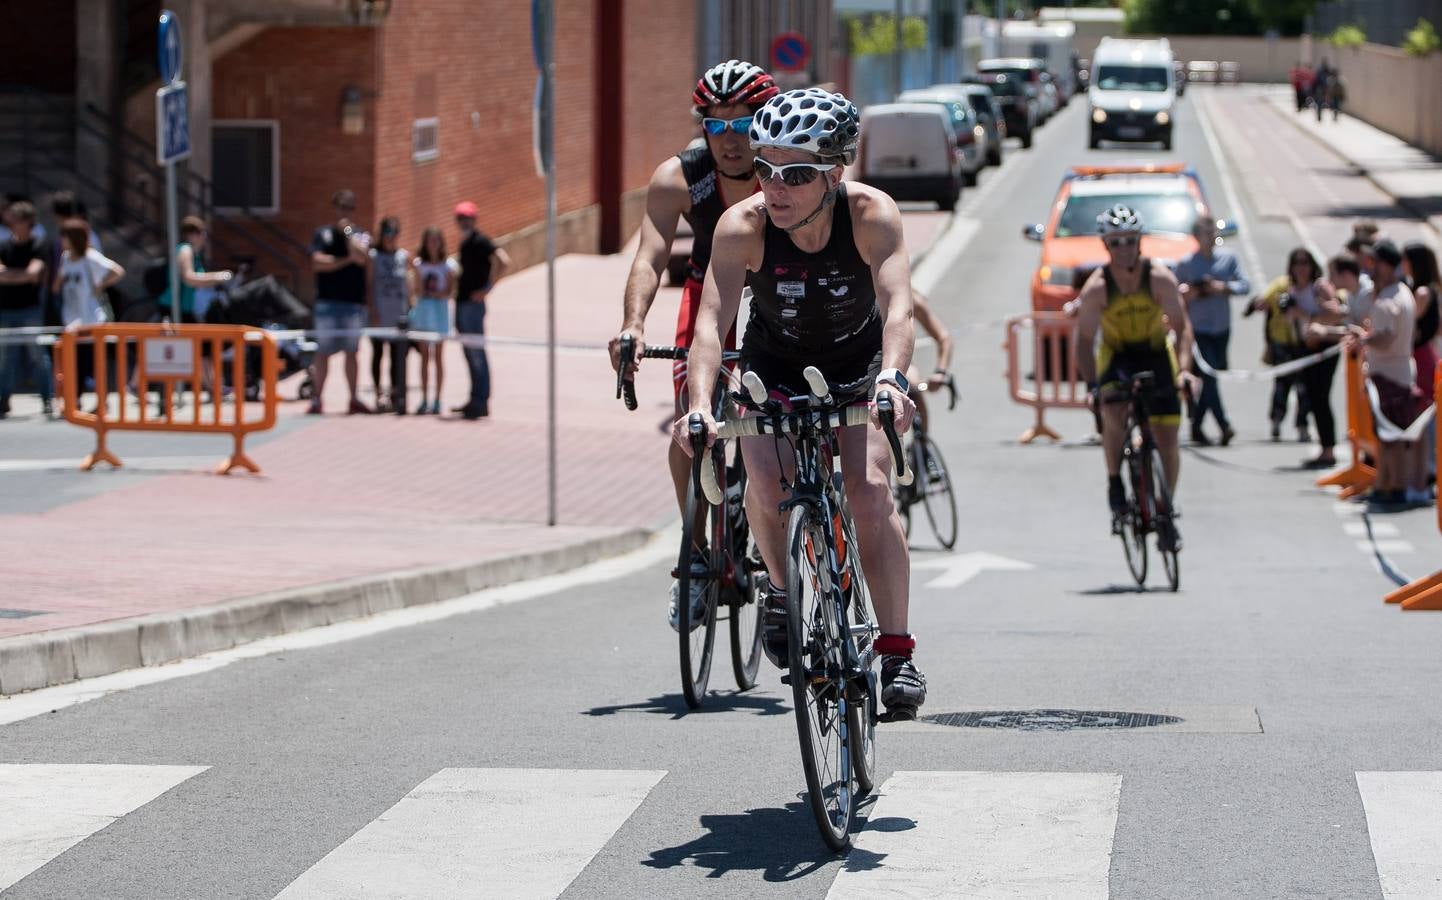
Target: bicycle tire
x,y
861,710
1171,562
745,611
820,706
937,496
697,644
1133,528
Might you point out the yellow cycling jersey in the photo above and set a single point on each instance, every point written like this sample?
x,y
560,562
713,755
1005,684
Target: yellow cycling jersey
x,y
1280,329
1133,320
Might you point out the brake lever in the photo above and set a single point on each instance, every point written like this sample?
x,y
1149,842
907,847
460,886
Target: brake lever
x,y
626,388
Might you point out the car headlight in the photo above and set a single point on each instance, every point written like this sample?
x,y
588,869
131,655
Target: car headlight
x,y
1099,115
1163,118
1062,275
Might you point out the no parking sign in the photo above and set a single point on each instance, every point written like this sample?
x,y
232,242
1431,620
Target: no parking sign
x,y
790,52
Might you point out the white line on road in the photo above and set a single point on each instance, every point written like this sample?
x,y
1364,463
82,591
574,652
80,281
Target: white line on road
x,y
1404,819
1379,529
47,809
481,832
986,834
963,567
1373,547
18,707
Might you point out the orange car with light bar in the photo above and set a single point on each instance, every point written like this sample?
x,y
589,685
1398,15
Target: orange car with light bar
x,y
1167,196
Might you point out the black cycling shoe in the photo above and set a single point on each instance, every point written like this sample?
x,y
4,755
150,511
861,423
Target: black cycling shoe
x,y
903,689
1116,495
774,628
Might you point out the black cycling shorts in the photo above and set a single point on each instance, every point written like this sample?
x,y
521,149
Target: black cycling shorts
x,y
782,375
1118,367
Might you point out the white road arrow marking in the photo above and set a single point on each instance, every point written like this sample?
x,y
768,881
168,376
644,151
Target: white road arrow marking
x,y
961,568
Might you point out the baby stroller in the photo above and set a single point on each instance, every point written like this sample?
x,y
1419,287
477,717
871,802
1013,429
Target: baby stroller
x,y
265,303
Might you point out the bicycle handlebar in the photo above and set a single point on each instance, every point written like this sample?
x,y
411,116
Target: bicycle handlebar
x,y
625,387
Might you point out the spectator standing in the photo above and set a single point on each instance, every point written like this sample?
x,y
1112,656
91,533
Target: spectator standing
x,y
1387,339
1283,336
390,304
22,276
1301,78
1317,317
1321,84
339,253
1206,281
64,206
83,277
435,275
1358,292
1420,265
482,265
189,262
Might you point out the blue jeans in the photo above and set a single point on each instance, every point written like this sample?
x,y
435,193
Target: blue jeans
x,y
471,319
1214,351
32,356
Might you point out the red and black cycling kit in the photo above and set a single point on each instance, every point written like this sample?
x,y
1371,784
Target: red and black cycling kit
x,y
703,181
813,309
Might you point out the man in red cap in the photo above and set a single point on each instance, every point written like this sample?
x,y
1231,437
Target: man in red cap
x,y
482,265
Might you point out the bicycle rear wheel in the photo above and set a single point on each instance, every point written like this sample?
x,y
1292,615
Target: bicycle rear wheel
x,y
1133,529
744,598
861,705
697,639
936,496
817,685
1168,538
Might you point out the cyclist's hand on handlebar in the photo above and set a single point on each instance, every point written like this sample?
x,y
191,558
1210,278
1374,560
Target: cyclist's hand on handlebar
x,y
615,348
681,430
903,409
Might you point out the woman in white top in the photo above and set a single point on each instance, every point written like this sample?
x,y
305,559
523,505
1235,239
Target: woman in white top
x,y
436,278
81,280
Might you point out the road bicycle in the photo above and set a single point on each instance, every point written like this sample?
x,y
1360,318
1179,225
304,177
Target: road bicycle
x,y
831,629
933,489
1148,507
732,562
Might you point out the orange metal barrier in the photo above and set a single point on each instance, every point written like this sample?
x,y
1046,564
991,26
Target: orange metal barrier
x,y
1425,593
163,358
1056,383
1358,477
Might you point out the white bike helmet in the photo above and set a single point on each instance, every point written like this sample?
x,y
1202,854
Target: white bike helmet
x,y
1120,219
813,120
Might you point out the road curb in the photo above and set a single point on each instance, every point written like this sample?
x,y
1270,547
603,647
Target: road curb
x,y
1433,222
34,661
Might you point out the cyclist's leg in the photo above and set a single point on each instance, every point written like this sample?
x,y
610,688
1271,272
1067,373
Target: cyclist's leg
x,y
767,461
885,557
1165,412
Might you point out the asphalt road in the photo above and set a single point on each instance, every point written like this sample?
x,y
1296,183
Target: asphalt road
x,y
1287,672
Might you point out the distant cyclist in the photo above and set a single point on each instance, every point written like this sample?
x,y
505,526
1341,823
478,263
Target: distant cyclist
x,y
929,322
1134,302
831,288
697,184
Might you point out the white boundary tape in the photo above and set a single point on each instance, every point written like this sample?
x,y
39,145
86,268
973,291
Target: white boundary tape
x,y
1280,371
1387,431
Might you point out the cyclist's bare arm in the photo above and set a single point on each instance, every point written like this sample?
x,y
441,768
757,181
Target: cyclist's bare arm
x,y
1090,303
931,323
879,241
736,248
1164,289
666,199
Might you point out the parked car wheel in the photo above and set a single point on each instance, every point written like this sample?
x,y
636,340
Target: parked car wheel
x,y
953,196
1093,141
993,156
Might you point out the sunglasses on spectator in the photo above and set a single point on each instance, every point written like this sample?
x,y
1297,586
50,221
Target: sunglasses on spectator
x,y
1117,243
717,127
793,175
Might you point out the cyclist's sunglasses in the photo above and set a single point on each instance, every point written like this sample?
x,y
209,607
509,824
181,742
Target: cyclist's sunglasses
x,y
794,175
1117,243
717,127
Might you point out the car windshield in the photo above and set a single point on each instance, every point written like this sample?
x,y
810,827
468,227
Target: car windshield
x,y
1004,87
1018,73
1131,78
1171,213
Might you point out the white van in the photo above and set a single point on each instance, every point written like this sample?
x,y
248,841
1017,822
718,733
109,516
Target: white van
x,y
1133,92
909,151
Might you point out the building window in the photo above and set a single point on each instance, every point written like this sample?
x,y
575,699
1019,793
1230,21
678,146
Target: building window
x,y
245,156
425,145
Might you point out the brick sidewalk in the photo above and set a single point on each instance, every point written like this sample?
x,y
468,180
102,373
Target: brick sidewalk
x,y
354,496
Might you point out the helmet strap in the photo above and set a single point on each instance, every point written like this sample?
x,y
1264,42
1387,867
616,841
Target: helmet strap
x,y
827,199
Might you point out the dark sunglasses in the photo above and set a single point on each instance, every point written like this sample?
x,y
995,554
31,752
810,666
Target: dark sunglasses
x,y
717,127
793,175
1116,243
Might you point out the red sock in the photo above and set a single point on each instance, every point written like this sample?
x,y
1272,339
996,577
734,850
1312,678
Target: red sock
x,y
896,645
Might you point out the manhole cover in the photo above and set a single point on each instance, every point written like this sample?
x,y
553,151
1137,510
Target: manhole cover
x,y
1050,719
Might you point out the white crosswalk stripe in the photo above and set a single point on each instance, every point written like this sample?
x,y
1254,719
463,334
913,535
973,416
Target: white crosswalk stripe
x,y
1404,820
47,809
986,834
481,832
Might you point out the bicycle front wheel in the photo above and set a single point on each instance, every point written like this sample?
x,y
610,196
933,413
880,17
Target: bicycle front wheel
x,y
1168,537
698,636
1132,529
744,598
817,680
936,496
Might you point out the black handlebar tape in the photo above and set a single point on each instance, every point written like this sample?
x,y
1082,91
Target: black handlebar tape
x,y
664,353
625,387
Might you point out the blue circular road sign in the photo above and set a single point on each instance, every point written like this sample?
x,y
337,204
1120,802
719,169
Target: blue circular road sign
x,y
169,46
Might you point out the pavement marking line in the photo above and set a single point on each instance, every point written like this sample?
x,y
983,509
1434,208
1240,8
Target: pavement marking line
x,y
986,834
17,707
522,833
1372,547
47,809
1379,529
1404,821
960,568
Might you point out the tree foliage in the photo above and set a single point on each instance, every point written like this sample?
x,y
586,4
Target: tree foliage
x,y
1347,36
876,35
1422,39
1191,17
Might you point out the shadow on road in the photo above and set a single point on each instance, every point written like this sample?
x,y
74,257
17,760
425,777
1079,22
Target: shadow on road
x,y
781,843
1122,589
674,705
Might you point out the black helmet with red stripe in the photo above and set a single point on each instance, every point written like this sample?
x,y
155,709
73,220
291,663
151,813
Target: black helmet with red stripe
x,y
733,82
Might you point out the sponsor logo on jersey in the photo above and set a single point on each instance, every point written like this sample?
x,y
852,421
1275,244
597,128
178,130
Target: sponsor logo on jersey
x,y
703,188
841,291
794,290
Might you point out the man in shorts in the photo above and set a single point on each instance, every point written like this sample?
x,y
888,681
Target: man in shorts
x,y
338,255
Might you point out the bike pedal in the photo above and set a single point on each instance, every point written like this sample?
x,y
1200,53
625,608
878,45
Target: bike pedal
x,y
786,678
